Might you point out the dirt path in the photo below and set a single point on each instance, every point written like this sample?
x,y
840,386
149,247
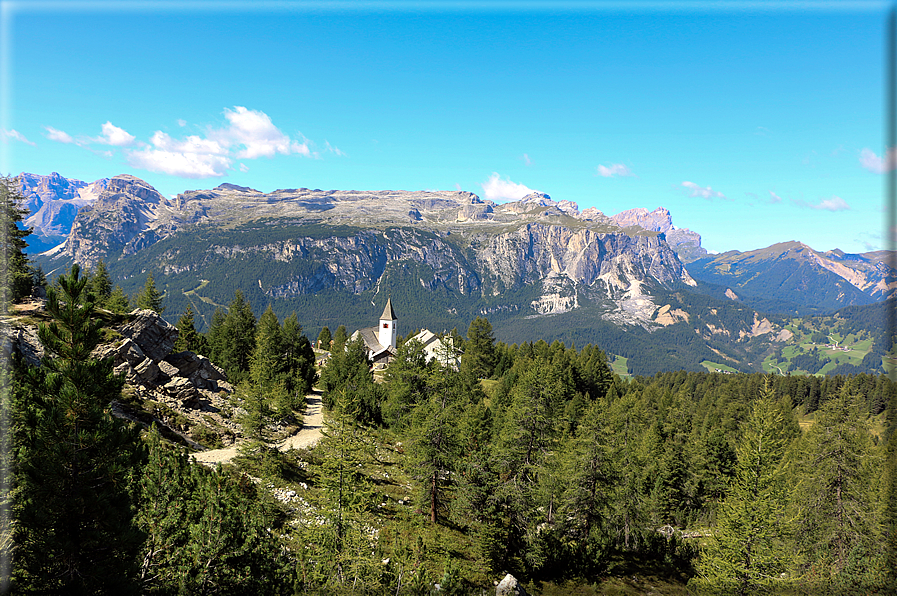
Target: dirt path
x,y
308,435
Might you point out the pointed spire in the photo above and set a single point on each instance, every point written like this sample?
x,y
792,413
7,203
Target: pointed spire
x,y
388,314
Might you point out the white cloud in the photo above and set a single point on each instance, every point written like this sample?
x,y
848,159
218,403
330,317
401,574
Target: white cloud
x,y
774,198
526,160
184,164
693,190
254,131
58,135
244,167
835,203
248,134
113,135
879,165
16,136
496,189
331,149
615,169
193,157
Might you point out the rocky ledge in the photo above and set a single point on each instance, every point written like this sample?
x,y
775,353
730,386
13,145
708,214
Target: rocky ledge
x,y
181,391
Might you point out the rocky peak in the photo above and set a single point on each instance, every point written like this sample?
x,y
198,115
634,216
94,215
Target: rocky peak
x,y
658,220
131,187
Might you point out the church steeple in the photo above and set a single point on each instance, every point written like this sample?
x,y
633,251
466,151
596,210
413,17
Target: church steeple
x,y
388,334
388,314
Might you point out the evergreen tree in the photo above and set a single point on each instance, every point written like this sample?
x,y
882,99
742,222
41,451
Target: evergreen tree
x,y
324,338
836,500
232,338
348,494
149,298
589,475
118,302
479,356
207,532
74,527
298,360
434,444
18,281
100,284
406,383
188,337
745,554
340,338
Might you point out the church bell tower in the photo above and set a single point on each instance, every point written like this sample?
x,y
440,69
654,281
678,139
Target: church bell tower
x,y
388,333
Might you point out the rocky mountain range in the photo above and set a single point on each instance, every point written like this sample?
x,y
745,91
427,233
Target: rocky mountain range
x,y
536,267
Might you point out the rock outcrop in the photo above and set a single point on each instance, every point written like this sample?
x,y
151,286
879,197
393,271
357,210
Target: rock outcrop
x,y
191,391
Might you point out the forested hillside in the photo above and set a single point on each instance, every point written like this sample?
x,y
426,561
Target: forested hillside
x,y
532,459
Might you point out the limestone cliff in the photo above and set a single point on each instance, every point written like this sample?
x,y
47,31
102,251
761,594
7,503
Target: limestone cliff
x,y
345,240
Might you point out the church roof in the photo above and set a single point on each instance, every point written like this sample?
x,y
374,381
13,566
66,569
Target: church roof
x,y
388,314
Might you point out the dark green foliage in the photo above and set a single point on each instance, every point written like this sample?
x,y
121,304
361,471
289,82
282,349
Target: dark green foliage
x,y
117,301
324,338
744,555
149,297
74,528
835,498
406,384
100,284
479,350
206,532
349,372
188,337
340,339
19,275
232,338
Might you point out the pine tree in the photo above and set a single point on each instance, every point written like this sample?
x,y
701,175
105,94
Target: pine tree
x,y
434,442
149,297
298,360
206,531
18,273
232,338
589,475
745,554
74,528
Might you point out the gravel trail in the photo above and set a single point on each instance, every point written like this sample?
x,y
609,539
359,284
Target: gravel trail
x,y
308,435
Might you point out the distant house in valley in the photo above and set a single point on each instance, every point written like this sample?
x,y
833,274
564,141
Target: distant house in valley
x,y
381,339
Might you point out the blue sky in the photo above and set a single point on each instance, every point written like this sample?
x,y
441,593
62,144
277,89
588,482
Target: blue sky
x,y
752,122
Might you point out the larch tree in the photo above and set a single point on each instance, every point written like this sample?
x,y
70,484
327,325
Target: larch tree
x,y
836,500
745,554
479,358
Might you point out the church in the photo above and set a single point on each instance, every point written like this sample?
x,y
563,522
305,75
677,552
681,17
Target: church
x,y
381,340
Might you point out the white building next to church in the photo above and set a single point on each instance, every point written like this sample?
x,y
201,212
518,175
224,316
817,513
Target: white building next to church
x,y
381,340
440,349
